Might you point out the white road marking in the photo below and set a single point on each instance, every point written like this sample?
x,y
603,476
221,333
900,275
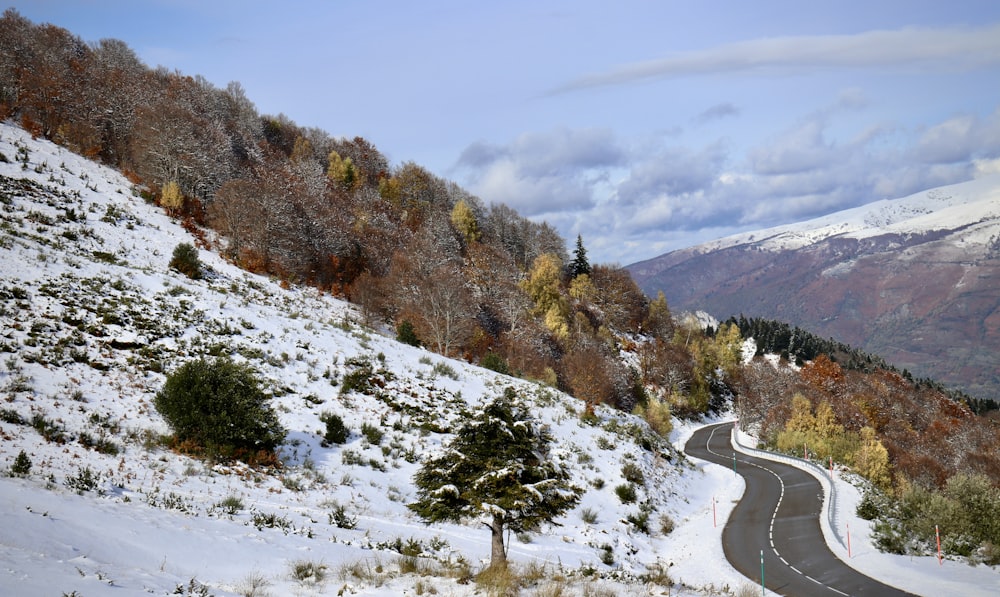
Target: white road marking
x,y
774,515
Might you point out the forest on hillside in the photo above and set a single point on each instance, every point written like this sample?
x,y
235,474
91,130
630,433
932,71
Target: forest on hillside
x,y
423,256
414,251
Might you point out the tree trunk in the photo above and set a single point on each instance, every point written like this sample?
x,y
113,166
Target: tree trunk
x,y
498,557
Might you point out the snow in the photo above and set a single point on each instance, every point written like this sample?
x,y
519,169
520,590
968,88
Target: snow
x,y
943,208
849,537
86,262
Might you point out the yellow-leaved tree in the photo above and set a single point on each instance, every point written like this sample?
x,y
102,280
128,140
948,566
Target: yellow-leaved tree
x,y
464,221
341,170
171,197
543,287
871,460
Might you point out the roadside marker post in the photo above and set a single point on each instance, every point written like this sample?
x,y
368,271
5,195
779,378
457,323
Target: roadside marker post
x,y
848,541
762,573
937,534
714,519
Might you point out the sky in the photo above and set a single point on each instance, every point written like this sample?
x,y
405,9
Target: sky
x,y
642,126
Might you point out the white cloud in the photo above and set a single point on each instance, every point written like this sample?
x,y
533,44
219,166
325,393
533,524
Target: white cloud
x,y
960,139
631,198
986,167
544,172
921,49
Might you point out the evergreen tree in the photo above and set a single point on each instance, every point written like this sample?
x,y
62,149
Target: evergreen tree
x,y
218,404
579,265
497,466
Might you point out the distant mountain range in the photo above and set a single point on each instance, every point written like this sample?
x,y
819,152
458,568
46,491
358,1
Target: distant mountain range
x,y
915,280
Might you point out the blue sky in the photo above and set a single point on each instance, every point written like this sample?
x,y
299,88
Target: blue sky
x,y
644,126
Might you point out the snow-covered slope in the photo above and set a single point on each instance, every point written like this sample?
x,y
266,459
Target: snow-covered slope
x,y
915,280
92,318
942,208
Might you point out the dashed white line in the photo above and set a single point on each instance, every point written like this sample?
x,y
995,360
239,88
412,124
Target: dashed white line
x,y
774,515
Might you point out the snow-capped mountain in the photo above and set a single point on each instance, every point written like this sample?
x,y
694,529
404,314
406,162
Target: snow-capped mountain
x,y
915,280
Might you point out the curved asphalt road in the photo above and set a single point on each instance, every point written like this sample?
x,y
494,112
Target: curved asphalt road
x,y
779,514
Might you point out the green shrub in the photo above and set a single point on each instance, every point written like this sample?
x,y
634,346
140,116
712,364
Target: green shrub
x,y
340,518
359,378
372,433
22,465
495,362
51,431
633,474
406,335
185,260
308,572
640,520
625,493
444,370
84,480
270,520
870,506
336,431
218,405
8,415
231,505
607,555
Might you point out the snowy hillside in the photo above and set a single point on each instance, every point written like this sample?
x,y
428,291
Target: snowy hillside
x,y
92,319
943,208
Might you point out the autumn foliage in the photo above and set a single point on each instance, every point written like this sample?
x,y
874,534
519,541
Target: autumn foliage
x,y
470,280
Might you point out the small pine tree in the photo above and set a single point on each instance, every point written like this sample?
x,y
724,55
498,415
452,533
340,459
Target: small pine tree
x,y
498,466
579,265
406,334
22,465
336,431
185,260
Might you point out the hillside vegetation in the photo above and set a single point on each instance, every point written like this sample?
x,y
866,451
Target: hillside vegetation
x,y
102,343
102,287
410,249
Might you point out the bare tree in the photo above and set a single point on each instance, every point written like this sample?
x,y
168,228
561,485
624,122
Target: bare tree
x,y
445,319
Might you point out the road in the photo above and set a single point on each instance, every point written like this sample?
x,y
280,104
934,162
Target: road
x,y
778,520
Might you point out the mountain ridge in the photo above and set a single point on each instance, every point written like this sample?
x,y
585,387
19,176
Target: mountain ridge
x,y
915,280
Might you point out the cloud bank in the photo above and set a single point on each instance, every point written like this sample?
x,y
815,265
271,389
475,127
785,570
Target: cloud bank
x,y
635,198
921,49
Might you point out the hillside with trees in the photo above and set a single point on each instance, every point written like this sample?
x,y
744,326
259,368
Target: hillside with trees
x,y
430,262
415,251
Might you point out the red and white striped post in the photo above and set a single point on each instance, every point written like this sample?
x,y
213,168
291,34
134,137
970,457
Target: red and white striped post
x,y
937,534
